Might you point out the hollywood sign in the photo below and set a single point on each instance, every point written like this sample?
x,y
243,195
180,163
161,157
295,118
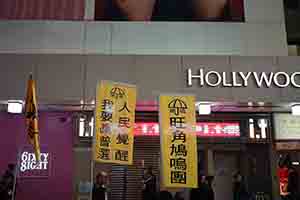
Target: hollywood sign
x,y
242,79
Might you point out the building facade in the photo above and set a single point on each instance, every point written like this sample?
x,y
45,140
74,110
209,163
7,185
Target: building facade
x,y
68,51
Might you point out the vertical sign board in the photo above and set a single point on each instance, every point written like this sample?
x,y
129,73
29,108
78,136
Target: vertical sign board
x,y
115,116
178,141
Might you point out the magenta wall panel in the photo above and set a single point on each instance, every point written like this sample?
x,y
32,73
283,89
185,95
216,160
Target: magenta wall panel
x,y
56,133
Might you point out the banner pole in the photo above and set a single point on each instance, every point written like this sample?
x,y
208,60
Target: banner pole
x,y
16,174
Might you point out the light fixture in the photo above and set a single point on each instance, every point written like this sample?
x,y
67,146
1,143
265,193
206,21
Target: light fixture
x,y
296,109
251,128
295,163
261,103
15,106
263,124
250,104
81,126
204,108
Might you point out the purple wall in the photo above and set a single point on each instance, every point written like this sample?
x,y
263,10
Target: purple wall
x,y
56,132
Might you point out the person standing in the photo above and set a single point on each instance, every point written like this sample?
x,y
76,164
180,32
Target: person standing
x,y
240,191
209,182
202,191
293,183
8,183
165,195
288,179
149,185
100,187
179,196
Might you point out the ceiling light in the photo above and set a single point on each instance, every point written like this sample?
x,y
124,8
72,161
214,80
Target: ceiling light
x,y
204,109
296,109
15,106
261,103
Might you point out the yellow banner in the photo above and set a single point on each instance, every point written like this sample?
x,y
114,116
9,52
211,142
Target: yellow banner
x,y
178,141
114,124
31,115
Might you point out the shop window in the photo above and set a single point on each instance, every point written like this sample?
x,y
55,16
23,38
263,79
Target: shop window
x,y
203,129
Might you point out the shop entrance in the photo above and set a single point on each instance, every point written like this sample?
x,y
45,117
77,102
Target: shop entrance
x,y
226,164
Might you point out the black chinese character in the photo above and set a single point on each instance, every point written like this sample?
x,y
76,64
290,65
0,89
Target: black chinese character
x,y
178,122
107,107
121,155
117,93
178,150
124,108
106,116
178,177
104,154
177,106
122,139
179,136
178,163
124,122
105,141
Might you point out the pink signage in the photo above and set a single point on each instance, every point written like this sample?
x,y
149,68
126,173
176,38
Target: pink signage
x,y
203,129
30,168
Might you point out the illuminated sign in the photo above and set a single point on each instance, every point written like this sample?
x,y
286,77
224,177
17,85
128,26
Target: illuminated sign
x,y
258,129
203,129
28,162
29,167
242,79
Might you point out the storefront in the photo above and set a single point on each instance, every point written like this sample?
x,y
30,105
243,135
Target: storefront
x,y
236,136
287,139
227,143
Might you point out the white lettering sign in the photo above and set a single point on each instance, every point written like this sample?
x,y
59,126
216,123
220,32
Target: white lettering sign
x,y
28,162
241,79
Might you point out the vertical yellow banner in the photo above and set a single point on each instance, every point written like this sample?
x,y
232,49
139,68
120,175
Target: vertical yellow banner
x,y
178,141
114,124
31,116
